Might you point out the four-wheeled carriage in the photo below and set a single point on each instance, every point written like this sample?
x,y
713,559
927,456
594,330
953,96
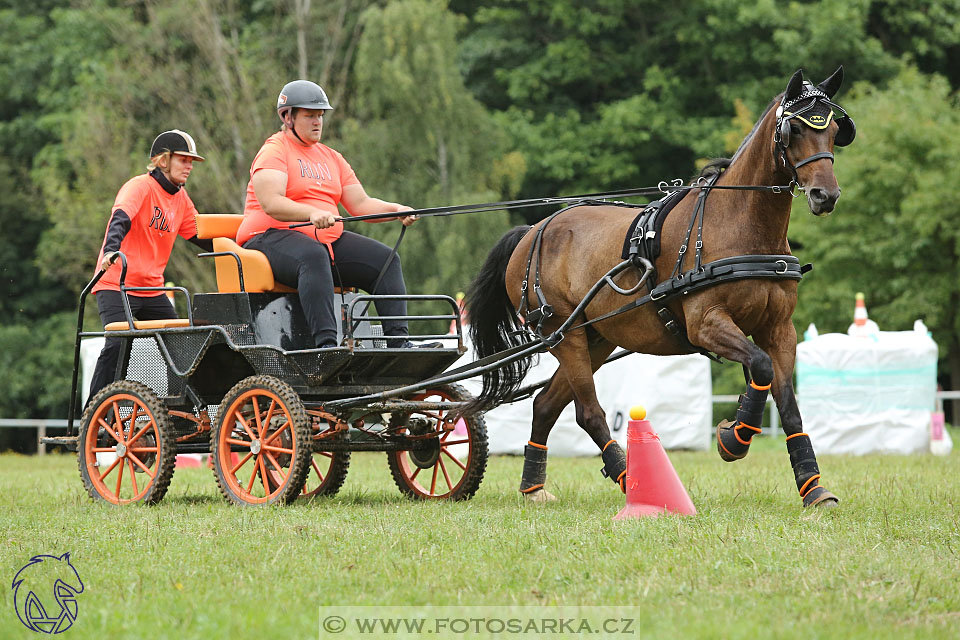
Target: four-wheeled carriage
x,y
239,378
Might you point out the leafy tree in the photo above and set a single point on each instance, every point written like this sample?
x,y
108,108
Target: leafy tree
x,y
420,138
626,93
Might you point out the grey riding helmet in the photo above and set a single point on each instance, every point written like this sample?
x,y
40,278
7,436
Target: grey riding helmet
x,y
175,141
301,94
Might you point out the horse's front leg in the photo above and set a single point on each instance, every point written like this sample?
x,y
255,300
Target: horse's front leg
x,y
781,343
717,332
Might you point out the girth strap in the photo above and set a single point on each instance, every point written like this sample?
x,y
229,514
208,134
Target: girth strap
x,y
769,267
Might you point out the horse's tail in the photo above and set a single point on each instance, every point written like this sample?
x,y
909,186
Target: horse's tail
x,y
493,323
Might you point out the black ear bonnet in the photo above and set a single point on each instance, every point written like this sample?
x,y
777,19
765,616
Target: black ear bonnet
x,y
815,109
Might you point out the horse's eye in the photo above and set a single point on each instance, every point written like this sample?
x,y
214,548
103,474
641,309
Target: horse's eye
x,y
795,129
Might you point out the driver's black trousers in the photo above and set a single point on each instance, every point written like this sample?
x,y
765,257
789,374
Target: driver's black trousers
x,y
304,264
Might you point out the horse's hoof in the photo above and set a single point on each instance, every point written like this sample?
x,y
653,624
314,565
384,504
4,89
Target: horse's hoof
x,y
726,426
540,496
820,497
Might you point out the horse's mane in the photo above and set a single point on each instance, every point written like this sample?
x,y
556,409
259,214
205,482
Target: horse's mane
x,y
718,165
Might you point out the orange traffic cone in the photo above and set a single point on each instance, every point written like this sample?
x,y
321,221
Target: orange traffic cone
x,y
653,486
862,324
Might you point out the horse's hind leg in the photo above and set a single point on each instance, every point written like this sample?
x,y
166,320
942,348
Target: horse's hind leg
x,y
547,407
780,343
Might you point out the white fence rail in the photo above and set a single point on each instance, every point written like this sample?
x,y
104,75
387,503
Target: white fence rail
x,y
773,426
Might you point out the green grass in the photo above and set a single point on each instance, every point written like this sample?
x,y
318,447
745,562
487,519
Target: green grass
x,y
751,564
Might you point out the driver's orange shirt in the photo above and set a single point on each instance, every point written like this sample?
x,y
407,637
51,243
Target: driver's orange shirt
x,y
316,176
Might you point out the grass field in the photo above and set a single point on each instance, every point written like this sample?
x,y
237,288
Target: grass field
x,y
751,564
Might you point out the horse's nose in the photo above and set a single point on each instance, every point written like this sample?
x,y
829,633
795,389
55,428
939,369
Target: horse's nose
x,y
824,199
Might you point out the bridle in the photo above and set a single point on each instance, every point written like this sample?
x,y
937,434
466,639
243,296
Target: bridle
x,y
781,133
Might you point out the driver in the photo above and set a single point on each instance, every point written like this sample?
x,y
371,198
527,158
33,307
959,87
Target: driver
x,y
296,178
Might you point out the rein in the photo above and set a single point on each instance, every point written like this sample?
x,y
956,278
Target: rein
x,y
589,198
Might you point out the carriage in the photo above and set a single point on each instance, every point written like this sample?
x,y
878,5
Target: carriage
x,y
275,403
239,378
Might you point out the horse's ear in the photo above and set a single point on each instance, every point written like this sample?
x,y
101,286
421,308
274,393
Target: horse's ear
x,y
831,85
795,86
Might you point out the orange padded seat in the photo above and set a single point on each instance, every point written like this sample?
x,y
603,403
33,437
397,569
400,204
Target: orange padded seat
x,y
257,274
148,324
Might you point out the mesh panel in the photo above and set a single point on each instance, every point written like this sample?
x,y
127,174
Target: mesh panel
x,y
371,329
297,368
146,365
184,348
241,334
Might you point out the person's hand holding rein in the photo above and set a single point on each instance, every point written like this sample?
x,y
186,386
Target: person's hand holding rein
x,y
407,220
322,219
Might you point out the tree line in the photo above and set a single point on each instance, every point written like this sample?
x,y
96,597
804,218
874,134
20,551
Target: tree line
x,y
440,103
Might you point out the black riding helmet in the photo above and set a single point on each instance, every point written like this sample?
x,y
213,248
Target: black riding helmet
x,y
301,94
175,141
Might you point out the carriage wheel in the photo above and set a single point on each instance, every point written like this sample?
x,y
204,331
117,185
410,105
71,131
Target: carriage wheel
x,y
454,469
127,447
263,421
328,472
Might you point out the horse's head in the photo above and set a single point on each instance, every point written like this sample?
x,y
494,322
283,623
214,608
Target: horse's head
x,y
808,126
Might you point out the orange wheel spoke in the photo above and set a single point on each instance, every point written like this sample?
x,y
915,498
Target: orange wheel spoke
x,y
446,476
278,449
119,479
117,422
262,467
143,449
110,468
266,420
414,475
455,459
317,469
253,476
103,450
240,443
133,479
276,465
146,428
273,435
256,415
108,429
453,442
140,464
131,419
243,423
242,462
326,454
433,482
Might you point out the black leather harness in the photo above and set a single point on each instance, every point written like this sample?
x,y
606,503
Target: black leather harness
x,y
641,248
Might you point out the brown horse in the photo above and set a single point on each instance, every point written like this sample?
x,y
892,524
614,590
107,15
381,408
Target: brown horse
x,y
792,142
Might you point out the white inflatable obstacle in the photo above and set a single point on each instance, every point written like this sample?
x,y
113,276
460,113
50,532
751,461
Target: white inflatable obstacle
x,y
868,393
676,391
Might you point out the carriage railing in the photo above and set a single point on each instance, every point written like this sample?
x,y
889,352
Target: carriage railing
x,y
127,311
352,319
